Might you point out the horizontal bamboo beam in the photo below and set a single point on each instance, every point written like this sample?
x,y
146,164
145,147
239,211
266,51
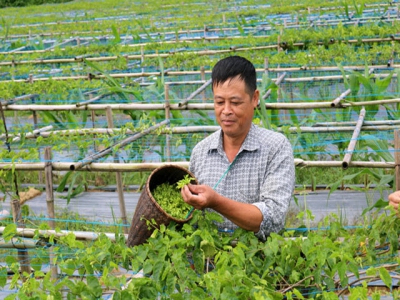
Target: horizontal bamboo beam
x,y
215,52
193,106
18,243
34,134
81,235
140,167
91,76
202,129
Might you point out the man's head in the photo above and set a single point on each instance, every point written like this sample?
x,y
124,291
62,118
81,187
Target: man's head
x,y
235,96
235,66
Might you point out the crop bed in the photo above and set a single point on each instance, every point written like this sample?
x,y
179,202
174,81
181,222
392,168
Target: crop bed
x,y
99,93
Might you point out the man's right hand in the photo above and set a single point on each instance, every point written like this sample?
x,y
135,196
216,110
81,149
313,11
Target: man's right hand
x,y
199,196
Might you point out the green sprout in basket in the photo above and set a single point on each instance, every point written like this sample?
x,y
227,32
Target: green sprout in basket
x,y
170,199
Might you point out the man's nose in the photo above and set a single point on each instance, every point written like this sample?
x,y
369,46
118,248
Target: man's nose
x,y
227,110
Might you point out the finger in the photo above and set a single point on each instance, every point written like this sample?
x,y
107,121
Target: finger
x,y
194,189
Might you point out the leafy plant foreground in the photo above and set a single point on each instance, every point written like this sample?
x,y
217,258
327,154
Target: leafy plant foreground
x,y
198,262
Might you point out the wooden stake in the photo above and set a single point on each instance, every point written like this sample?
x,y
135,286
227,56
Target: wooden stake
x,y
35,123
23,255
120,187
49,186
48,170
203,78
167,117
266,65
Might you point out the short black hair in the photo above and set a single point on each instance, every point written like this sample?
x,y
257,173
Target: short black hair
x,y
232,66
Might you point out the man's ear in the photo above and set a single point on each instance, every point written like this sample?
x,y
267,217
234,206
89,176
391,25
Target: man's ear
x,y
256,98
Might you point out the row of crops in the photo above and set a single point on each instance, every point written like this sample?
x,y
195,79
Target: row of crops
x,y
90,88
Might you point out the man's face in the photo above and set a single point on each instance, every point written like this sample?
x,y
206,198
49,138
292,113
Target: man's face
x,y
234,107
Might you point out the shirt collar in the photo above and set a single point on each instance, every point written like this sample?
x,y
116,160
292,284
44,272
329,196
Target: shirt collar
x,y
251,143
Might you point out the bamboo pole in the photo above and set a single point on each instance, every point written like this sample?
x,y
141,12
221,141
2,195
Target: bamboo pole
x,y
204,129
94,99
50,207
336,101
34,134
195,93
397,158
120,186
18,243
135,57
19,98
366,123
23,255
147,74
194,106
278,81
80,235
141,167
353,141
91,158
215,52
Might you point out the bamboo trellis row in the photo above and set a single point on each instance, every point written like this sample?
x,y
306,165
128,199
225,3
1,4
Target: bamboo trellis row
x,y
194,106
287,22
47,131
91,76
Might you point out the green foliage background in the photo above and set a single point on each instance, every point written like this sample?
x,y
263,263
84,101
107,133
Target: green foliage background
x,y
20,3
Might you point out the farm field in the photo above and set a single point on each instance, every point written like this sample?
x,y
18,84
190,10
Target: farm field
x,y
101,93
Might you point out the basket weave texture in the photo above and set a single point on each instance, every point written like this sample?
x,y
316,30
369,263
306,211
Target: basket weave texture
x,y
148,208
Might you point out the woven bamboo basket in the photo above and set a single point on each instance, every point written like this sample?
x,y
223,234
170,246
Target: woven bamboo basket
x,y
148,208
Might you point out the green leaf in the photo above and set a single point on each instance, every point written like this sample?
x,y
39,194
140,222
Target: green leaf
x,y
63,182
9,232
117,37
198,260
10,260
147,267
385,276
36,263
298,294
94,286
208,248
3,277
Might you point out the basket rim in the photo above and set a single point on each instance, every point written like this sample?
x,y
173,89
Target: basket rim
x,y
154,200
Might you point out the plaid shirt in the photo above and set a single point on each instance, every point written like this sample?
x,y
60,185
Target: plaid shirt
x,y
261,174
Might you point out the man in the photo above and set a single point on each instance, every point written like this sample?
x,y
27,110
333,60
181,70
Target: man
x,y
245,172
394,199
